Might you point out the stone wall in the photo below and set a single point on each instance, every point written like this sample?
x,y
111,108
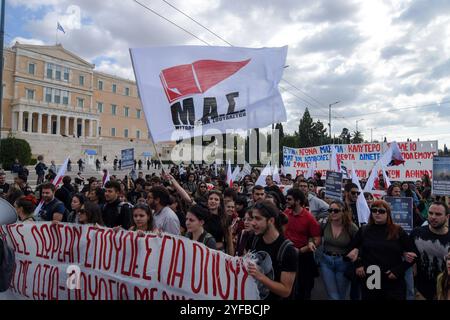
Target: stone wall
x,y
58,148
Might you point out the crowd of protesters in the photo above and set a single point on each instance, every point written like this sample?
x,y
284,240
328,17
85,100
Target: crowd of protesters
x,y
291,221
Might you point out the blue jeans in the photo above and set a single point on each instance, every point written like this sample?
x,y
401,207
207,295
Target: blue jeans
x,y
333,273
409,279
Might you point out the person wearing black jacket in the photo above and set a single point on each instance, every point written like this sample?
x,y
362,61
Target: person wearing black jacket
x,y
351,196
382,243
65,192
40,170
115,213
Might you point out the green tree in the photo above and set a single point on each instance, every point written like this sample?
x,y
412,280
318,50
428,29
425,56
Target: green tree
x,y
319,134
11,149
345,136
357,137
279,127
306,130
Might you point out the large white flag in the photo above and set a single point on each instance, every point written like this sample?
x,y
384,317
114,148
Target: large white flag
x,y
392,157
276,175
362,207
188,90
262,178
387,182
246,170
236,173
334,165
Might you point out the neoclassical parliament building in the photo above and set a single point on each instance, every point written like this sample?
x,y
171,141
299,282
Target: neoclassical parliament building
x,y
63,107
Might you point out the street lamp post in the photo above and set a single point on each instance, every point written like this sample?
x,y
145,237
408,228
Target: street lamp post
x,y
329,115
371,134
357,124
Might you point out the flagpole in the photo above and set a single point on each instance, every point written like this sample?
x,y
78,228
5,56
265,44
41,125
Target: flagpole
x,y
149,131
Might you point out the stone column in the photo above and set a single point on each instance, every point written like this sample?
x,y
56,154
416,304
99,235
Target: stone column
x,y
82,127
58,125
20,123
66,129
90,128
49,124
39,128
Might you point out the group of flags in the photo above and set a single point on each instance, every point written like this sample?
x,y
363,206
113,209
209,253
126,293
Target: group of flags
x,y
237,174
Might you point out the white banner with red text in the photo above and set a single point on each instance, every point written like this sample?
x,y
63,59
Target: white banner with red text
x,y
418,156
82,262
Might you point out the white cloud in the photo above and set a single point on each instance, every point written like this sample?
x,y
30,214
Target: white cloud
x,y
370,55
26,41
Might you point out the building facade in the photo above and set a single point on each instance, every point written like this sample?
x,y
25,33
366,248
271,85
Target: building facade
x,y
63,107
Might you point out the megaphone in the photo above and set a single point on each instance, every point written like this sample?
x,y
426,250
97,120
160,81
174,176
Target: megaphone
x,y
8,214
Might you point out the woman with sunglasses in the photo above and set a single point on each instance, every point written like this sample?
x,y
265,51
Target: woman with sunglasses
x,y
201,195
337,235
382,243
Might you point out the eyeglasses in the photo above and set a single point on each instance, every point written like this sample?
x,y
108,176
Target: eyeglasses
x,y
378,210
330,210
355,192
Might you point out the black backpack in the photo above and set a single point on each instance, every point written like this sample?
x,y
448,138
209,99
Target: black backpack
x,y
281,251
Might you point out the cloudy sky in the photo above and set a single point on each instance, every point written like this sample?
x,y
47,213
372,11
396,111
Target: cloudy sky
x,y
386,61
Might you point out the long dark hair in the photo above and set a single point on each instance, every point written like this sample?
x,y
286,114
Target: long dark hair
x,y
220,210
148,212
268,210
93,213
346,215
393,229
81,198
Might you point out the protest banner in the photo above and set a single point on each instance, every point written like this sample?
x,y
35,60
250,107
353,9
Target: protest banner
x,y
402,211
333,185
441,176
418,156
187,90
127,158
86,262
